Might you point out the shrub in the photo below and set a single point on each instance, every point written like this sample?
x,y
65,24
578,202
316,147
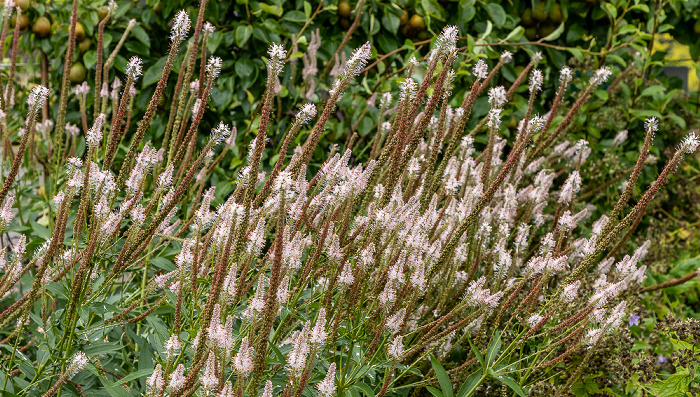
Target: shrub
x,y
438,252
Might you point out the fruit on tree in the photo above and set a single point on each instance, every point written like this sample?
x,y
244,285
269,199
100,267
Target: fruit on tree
x,y
77,73
41,27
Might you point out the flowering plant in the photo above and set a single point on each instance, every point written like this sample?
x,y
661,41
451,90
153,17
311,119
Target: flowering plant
x,y
360,277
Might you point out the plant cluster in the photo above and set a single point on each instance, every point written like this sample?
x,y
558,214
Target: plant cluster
x,y
441,259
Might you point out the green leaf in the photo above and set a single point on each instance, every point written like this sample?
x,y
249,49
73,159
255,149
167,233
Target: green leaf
x,y
487,31
510,383
435,392
677,119
497,14
645,114
141,35
576,53
274,9
476,353
366,390
243,33
89,59
101,348
443,378
133,375
244,68
653,90
471,382
295,16
493,348
610,10
153,73
556,34
515,33
675,386
641,7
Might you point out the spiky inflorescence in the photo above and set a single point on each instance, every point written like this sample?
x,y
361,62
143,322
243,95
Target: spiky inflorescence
x,y
690,143
275,64
601,75
536,81
481,70
181,26
134,67
357,61
306,113
214,67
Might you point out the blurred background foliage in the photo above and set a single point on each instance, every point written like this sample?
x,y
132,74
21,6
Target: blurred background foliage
x,y
584,34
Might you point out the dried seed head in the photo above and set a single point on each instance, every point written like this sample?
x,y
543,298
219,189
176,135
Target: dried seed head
x,y
181,26
134,67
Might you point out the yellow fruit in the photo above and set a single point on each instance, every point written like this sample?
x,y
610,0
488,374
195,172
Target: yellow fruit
x,y
77,73
404,18
85,44
102,12
79,31
344,9
424,35
697,26
23,4
526,18
555,14
531,33
417,22
23,21
41,27
539,13
545,30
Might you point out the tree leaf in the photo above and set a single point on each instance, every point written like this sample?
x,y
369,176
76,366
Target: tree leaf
x,y
141,35
556,34
153,73
243,33
497,13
